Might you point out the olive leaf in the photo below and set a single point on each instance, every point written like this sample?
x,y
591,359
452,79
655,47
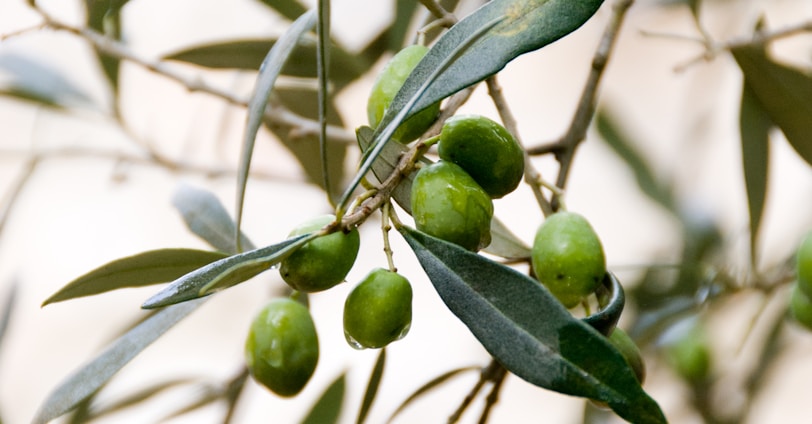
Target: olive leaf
x,y
327,408
143,269
86,380
784,92
268,73
754,126
528,331
226,272
429,386
105,17
206,216
372,386
503,242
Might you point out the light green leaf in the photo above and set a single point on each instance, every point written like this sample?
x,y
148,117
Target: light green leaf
x,y
503,242
93,375
269,71
6,311
29,79
754,126
143,269
528,331
784,92
225,273
206,216
327,409
372,387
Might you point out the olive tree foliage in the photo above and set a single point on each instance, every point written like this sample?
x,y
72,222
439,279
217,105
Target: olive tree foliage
x,y
525,329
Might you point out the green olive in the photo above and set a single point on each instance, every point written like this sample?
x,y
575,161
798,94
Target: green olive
x,y
800,307
689,355
803,265
282,348
378,311
485,150
448,204
322,262
621,340
388,84
568,257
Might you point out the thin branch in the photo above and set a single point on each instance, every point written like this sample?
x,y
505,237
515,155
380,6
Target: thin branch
x,y
275,113
566,146
439,11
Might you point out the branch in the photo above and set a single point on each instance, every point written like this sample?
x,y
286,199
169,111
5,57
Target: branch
x,y
565,147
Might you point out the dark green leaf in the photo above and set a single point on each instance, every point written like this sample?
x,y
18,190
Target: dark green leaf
x,y
139,396
784,92
429,386
143,269
86,380
611,133
372,387
291,9
503,242
104,16
754,126
328,408
607,317
523,26
205,216
249,54
528,331
225,273
269,71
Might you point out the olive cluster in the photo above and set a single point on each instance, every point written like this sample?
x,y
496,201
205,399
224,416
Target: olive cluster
x,y
282,347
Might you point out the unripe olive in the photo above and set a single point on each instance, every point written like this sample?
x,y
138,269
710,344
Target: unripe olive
x,y
282,347
568,257
448,204
378,310
800,307
803,265
485,150
388,84
690,355
322,262
621,340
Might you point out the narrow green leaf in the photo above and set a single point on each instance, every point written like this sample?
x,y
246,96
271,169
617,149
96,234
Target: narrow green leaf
x,y
6,311
290,9
328,408
323,63
784,92
623,146
528,331
104,16
206,216
139,396
87,379
143,269
225,273
503,242
31,80
754,126
429,386
523,26
269,71
372,387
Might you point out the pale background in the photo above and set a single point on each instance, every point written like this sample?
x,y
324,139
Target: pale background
x,y
78,212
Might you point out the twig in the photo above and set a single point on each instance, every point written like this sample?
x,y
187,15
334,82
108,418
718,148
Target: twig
x,y
566,146
439,11
531,175
275,113
493,372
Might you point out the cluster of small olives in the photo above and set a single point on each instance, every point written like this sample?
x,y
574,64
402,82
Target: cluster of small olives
x,y
282,347
800,305
567,257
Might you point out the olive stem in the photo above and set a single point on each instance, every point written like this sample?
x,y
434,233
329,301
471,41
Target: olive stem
x,y
531,175
493,372
385,228
565,147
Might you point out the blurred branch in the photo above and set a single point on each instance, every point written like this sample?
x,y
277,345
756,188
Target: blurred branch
x,y
565,147
275,113
8,203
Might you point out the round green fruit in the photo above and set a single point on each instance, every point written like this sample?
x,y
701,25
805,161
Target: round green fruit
x,y
378,311
800,307
621,340
448,204
388,84
568,257
689,355
322,262
803,265
485,150
282,347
